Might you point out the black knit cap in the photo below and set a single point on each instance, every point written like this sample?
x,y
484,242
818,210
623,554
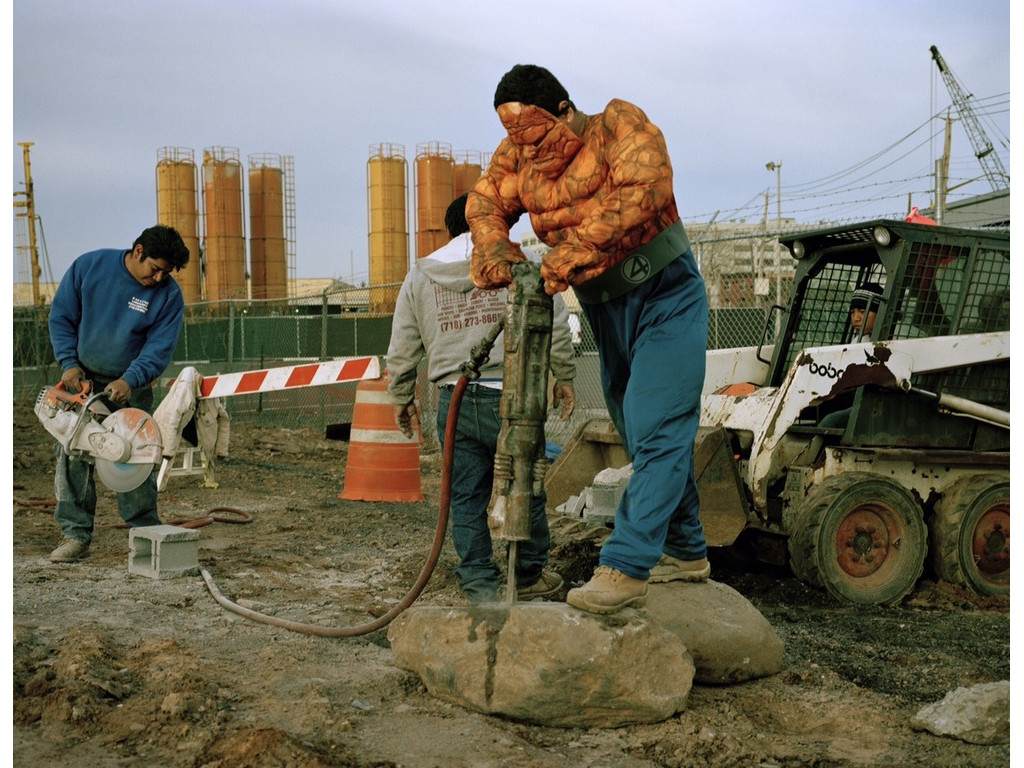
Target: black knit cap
x,y
531,84
866,295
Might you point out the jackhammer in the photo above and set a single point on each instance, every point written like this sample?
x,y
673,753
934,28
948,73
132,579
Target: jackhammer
x,y
520,462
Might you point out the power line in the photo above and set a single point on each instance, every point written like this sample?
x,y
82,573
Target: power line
x,y
834,191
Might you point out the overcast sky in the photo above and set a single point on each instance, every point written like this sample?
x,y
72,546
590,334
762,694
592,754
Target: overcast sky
x,y
841,92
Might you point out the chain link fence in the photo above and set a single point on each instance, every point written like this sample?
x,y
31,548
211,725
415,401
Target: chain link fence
x,y
236,336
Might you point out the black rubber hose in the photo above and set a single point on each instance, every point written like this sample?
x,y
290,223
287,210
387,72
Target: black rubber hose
x,y
425,573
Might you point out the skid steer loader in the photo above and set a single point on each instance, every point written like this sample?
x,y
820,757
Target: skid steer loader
x,y
860,460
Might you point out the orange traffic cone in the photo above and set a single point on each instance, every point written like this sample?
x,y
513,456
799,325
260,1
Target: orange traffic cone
x,y
383,464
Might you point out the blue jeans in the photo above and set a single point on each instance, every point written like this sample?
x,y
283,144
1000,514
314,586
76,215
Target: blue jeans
x,y
472,478
652,342
75,487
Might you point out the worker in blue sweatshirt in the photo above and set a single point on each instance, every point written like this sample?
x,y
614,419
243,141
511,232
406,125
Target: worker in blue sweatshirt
x,y
114,323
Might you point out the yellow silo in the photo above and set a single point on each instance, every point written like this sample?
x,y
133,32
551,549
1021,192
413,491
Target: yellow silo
x,y
268,263
468,168
435,189
386,175
224,264
177,205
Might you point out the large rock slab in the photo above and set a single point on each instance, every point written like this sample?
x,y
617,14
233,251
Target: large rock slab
x,y
546,663
729,639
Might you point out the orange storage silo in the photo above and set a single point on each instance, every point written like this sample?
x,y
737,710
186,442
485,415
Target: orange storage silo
x,y
177,205
224,225
468,168
435,189
268,263
386,177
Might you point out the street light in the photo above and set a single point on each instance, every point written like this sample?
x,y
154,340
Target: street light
x,y
777,167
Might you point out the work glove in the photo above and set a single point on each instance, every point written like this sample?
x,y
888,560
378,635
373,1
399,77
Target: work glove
x,y
564,395
571,263
405,417
491,267
118,391
73,379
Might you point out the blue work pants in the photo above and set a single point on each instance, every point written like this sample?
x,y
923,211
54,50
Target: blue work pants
x,y
652,343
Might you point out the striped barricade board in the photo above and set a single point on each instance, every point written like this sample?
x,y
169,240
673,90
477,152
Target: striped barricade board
x,y
342,370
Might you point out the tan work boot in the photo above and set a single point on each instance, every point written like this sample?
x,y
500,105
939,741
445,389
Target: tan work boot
x,y
671,568
608,591
69,551
548,585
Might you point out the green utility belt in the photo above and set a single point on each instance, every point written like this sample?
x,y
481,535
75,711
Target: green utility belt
x,y
637,268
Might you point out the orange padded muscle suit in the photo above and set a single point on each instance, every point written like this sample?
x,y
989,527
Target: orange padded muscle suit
x,y
592,199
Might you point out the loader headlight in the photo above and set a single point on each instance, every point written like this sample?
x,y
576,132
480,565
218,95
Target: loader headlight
x,y
797,249
882,236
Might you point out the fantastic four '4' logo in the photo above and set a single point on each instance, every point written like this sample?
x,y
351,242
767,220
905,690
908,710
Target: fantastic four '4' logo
x,y
636,268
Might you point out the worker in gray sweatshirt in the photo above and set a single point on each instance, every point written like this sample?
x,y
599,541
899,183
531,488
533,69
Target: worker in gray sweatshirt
x,y
440,316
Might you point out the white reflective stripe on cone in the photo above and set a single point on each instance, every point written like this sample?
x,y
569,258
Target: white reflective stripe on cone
x,y
379,436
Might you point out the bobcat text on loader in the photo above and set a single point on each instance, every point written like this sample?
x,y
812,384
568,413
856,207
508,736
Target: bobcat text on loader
x,y
861,460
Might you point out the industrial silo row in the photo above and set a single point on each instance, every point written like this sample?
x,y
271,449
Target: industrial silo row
x,y
217,271
439,177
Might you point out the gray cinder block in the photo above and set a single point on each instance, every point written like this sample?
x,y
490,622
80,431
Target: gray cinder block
x,y
163,551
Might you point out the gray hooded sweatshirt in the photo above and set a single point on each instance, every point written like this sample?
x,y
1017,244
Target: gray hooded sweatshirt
x,y
441,315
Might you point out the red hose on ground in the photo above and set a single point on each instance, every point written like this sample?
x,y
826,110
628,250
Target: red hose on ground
x,y
425,573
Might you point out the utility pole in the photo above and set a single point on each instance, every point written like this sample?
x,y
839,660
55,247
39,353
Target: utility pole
x,y
942,173
777,167
29,206
760,259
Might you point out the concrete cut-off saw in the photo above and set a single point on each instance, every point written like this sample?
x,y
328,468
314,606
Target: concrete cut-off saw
x,y
123,444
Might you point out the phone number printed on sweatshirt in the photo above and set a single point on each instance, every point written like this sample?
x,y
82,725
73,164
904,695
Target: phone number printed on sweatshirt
x,y
464,312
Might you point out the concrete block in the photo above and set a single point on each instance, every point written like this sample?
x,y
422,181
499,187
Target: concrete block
x,y
606,496
600,515
601,504
163,551
574,506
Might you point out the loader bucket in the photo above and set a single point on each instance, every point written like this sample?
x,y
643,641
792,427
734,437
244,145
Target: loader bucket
x,y
596,446
723,502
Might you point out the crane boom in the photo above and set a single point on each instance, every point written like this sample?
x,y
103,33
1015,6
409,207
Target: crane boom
x,y
991,165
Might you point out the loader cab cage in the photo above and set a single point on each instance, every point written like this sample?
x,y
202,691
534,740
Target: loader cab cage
x,y
937,281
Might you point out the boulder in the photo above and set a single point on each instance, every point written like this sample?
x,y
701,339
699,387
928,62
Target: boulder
x,y
977,715
729,639
546,663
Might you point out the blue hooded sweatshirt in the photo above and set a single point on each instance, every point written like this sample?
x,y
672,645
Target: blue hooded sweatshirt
x,y
103,320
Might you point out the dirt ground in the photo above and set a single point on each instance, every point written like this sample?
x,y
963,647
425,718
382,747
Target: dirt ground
x,y
117,669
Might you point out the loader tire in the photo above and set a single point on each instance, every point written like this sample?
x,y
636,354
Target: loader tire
x,y
971,534
860,536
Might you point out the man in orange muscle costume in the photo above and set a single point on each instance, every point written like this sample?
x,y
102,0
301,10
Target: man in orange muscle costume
x,y
598,189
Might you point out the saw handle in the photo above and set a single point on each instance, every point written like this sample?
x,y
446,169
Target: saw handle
x,y
79,398
85,400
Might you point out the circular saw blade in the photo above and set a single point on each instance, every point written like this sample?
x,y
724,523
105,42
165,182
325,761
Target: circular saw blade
x,y
122,477
140,431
